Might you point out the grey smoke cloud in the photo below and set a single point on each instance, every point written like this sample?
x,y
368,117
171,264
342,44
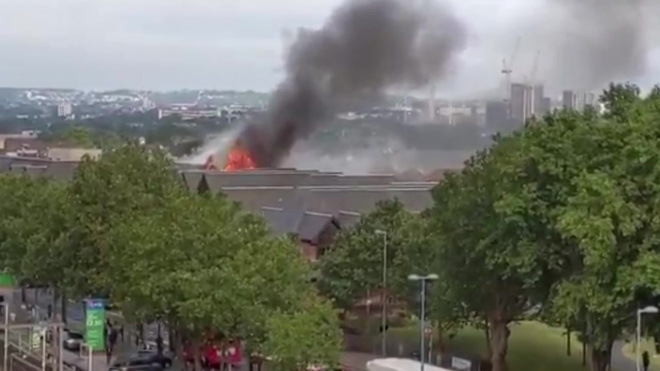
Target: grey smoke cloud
x,y
363,49
594,42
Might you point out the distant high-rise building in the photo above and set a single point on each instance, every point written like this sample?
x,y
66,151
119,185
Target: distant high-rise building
x,y
578,100
568,99
522,102
541,105
64,110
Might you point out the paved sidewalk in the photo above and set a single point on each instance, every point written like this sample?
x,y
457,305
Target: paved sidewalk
x,y
356,361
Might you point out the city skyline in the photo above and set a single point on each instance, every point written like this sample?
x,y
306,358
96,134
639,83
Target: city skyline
x,y
204,44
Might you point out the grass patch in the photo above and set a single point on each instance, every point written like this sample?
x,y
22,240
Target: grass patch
x,y
532,344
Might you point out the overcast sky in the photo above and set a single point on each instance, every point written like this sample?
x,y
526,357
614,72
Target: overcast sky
x,y
227,44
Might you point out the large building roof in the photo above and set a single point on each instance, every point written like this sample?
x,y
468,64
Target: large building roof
x,y
292,201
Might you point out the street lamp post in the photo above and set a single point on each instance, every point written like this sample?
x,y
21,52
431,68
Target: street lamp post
x,y
383,298
646,310
423,280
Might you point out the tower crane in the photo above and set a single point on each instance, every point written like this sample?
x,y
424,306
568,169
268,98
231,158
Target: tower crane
x,y
507,67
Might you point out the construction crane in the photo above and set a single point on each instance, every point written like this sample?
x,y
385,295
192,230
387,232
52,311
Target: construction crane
x,y
507,68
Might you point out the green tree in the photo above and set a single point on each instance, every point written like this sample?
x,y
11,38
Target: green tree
x,y
47,250
202,263
124,182
567,204
353,265
20,208
492,267
309,336
608,218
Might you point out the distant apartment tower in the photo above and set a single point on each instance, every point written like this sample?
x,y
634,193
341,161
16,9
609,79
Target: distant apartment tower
x,y
522,102
64,110
541,102
527,101
578,100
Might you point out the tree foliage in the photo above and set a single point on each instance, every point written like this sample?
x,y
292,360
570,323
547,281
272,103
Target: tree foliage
x,y
124,182
353,264
125,228
309,336
492,266
560,215
203,263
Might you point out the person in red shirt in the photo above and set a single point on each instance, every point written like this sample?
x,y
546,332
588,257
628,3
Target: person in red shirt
x,y
213,357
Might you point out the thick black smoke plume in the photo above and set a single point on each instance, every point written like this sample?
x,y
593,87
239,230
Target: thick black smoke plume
x,y
594,42
365,48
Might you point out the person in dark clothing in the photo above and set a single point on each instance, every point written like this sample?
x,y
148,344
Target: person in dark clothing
x,y
112,338
121,333
159,344
646,360
50,311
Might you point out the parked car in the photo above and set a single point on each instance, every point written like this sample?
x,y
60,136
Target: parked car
x,y
162,359
137,363
73,341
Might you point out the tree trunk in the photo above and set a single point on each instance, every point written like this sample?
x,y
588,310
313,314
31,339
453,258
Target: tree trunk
x,y
489,348
171,339
139,338
568,341
176,343
198,358
52,310
63,306
599,360
499,344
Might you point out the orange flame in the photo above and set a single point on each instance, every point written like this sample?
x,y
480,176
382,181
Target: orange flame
x,y
239,159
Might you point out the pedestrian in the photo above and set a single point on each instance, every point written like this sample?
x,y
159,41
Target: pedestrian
x,y
646,360
159,344
50,311
121,332
112,339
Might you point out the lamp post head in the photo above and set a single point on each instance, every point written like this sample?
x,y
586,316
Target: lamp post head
x,y
381,232
649,309
428,277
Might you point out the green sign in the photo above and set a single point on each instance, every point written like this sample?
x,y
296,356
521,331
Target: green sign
x,y
7,280
95,325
